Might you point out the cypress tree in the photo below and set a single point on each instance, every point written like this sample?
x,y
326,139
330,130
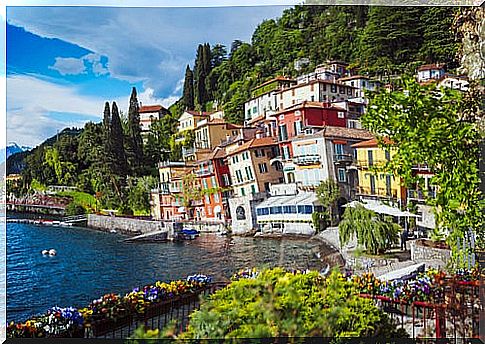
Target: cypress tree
x,y
117,142
135,141
200,77
188,94
107,135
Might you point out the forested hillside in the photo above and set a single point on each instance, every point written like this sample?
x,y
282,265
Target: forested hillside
x,y
377,40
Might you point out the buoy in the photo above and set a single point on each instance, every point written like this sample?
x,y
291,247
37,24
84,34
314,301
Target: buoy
x,y
52,252
44,252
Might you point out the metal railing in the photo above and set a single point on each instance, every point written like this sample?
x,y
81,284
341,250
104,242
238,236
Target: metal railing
x,y
307,159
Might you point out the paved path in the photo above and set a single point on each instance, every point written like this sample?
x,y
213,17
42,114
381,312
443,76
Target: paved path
x,y
362,264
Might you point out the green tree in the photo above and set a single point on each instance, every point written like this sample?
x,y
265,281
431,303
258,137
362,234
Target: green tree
x,y
117,144
139,193
328,192
134,151
188,94
438,128
372,233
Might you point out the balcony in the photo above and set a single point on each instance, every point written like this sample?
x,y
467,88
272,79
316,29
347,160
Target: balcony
x,y
201,172
365,164
421,195
343,158
175,188
164,188
197,203
378,192
309,159
188,152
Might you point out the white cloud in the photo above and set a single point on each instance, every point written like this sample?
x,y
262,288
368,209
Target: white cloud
x,y
69,66
96,65
149,45
31,103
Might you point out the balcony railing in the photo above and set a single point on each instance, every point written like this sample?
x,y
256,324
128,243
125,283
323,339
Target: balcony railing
x,y
365,164
379,192
343,158
421,195
164,188
187,151
204,171
309,159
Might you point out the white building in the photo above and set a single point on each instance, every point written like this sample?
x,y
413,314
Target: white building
x,y
314,91
150,113
430,71
362,83
263,98
287,211
455,82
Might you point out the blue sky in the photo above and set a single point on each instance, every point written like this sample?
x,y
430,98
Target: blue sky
x,y
63,63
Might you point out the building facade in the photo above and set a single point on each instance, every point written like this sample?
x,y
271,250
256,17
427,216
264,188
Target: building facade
x,y
150,113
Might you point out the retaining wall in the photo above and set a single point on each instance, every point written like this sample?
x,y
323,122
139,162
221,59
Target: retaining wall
x,y
123,224
419,252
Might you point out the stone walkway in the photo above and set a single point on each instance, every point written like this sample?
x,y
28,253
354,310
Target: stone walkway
x,y
378,266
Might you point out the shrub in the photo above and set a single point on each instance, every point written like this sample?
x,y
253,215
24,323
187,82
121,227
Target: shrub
x,y
75,209
279,304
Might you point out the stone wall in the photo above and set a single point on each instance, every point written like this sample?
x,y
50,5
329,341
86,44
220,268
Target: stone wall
x,y
421,253
123,224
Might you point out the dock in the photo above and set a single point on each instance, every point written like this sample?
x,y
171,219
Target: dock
x,y
160,235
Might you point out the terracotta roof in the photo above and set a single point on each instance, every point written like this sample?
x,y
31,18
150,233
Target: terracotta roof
x,y
431,66
348,133
371,143
150,108
254,143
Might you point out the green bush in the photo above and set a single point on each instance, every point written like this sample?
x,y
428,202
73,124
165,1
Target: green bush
x,y
279,303
75,209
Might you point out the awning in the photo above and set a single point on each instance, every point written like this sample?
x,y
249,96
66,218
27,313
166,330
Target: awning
x,y
381,208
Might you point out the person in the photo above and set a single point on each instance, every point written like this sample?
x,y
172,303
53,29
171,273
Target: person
x,y
404,238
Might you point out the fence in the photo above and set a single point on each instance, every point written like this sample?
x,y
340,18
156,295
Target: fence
x,y
456,315
156,316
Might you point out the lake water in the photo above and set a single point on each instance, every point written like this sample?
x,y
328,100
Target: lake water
x,y
90,263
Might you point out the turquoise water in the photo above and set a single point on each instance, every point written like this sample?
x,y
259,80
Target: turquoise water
x,y
91,263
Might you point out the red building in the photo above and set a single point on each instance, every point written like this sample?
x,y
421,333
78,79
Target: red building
x,y
305,118
213,173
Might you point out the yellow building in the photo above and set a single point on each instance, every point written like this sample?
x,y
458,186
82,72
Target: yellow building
x,y
376,184
189,119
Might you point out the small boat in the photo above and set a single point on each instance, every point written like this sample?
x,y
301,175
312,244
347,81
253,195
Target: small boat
x,y
56,223
189,234
52,252
67,224
112,231
45,252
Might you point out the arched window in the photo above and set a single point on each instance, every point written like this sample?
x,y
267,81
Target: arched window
x,y
291,177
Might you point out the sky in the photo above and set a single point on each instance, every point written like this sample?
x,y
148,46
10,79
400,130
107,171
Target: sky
x,y
63,63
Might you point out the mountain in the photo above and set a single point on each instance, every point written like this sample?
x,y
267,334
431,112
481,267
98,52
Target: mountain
x,y
11,149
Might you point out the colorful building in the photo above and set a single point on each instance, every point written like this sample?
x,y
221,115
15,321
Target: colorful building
x,y
375,184
305,118
430,71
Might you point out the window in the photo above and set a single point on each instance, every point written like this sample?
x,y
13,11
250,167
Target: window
x,y
259,153
249,173
352,83
263,168
216,197
213,182
388,155
275,210
262,211
324,87
207,199
388,185
239,176
204,183
305,209
255,109
266,186
253,189
245,155
283,133
372,185
312,98
349,91
339,149
341,89
341,175
333,88
297,127
289,209
370,157
243,193
225,179
286,152
249,113
340,114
